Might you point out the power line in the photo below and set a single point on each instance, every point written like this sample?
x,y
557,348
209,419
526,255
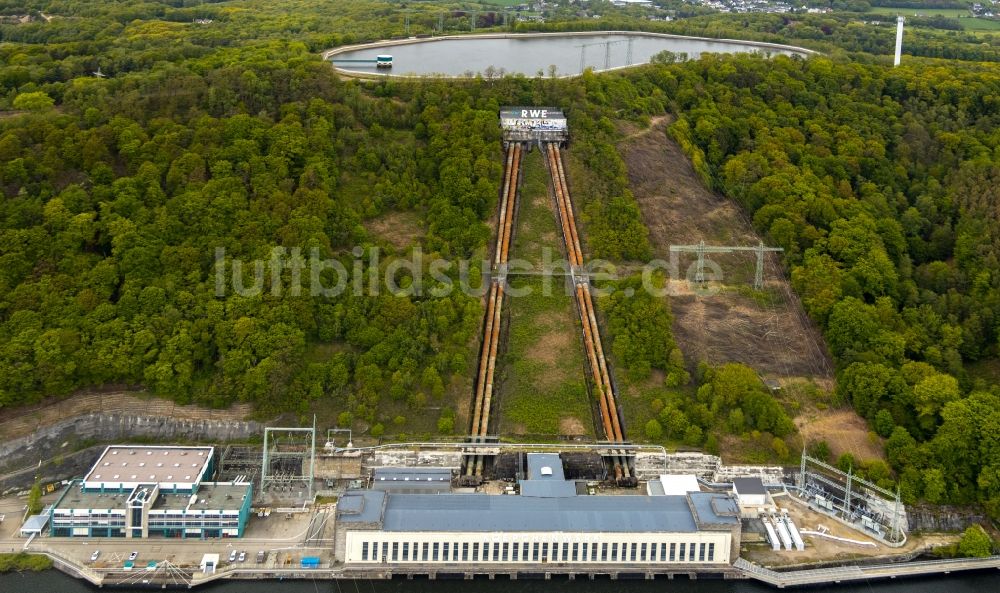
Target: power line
x,y
701,249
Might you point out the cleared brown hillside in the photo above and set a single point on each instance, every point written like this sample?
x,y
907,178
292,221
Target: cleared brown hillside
x,y
767,330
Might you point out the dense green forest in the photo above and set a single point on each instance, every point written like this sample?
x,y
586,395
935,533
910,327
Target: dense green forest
x,y
880,184
118,192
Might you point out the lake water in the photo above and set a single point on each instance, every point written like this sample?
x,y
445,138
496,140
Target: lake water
x,y
522,54
55,582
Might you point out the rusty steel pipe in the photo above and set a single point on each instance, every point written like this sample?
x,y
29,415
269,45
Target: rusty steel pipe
x,y
569,207
488,392
503,203
592,337
612,404
602,362
557,191
494,336
491,339
488,329
592,355
511,203
484,357
494,344
571,254
609,408
603,398
483,364
600,382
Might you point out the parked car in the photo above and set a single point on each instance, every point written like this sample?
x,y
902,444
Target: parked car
x,y
133,555
243,556
261,557
95,555
232,556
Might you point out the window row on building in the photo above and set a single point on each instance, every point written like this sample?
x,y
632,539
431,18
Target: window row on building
x,y
215,509
377,548
192,522
537,552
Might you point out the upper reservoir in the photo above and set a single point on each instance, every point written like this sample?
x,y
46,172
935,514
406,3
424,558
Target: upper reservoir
x,y
529,54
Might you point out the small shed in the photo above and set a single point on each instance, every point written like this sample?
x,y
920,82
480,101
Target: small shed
x,y
673,485
750,491
209,562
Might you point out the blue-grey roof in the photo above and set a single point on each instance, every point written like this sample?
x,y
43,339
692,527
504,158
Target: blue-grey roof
x,y
551,461
546,478
412,479
714,509
546,489
361,506
35,523
748,486
490,513
413,473
494,513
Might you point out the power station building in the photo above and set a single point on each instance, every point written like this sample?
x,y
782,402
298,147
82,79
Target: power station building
x,y
135,491
547,523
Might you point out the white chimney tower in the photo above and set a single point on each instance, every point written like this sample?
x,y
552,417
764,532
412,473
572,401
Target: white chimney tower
x,y
899,40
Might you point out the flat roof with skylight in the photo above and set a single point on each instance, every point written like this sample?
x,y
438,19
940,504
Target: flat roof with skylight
x,y
123,467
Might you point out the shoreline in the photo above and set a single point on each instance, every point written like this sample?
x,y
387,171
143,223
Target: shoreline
x,y
740,570
329,53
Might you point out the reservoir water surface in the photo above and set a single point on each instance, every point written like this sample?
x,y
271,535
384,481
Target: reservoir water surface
x,y
567,53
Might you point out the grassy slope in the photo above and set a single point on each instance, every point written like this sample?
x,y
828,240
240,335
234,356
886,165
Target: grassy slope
x,y
544,390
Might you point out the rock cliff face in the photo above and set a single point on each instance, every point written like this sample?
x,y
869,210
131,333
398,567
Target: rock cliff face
x,y
942,518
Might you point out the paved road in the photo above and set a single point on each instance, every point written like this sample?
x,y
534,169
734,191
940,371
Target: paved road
x,y
856,573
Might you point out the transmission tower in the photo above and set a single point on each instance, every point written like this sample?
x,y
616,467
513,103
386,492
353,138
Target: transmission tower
x,y
290,462
701,249
607,52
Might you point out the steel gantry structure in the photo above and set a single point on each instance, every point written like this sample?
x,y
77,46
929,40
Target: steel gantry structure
x,y
288,465
701,249
607,52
